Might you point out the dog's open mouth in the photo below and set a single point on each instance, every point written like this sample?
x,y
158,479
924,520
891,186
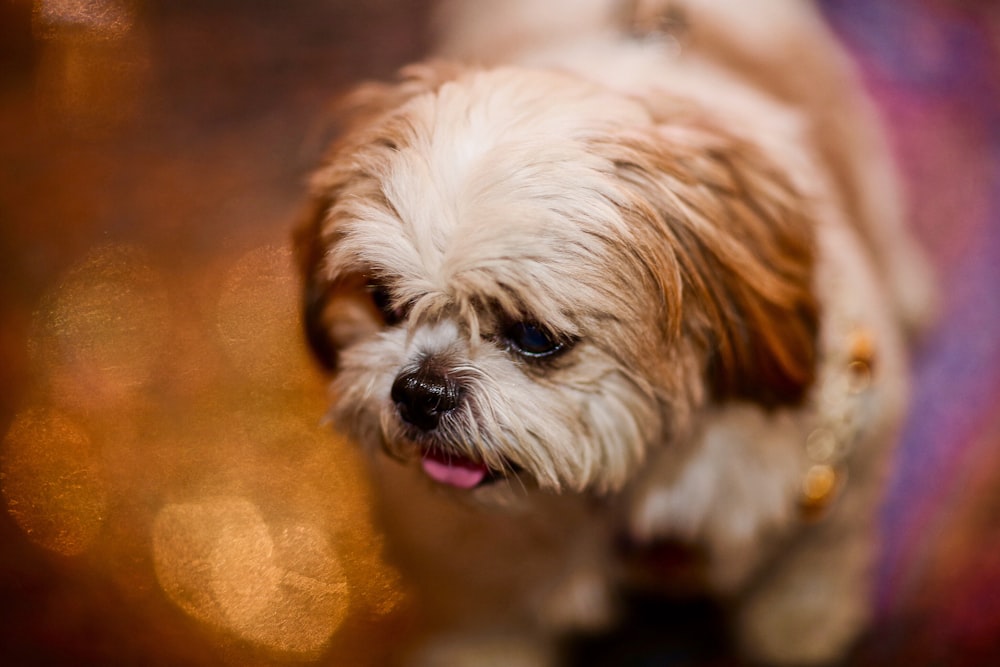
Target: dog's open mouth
x,y
457,471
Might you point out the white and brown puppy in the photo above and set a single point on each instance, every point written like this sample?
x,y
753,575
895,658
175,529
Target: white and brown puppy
x,y
618,270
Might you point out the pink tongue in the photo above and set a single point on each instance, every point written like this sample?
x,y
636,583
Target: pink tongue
x,y
457,472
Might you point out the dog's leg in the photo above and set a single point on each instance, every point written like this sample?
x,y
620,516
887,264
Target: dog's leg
x,y
488,650
811,604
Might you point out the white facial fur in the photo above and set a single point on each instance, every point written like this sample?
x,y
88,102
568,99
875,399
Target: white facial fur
x,y
491,206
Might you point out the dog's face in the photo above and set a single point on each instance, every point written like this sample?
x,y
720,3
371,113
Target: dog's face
x,y
517,274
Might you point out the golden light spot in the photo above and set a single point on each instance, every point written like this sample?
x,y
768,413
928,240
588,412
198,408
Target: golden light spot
x,y
99,335
821,445
819,482
52,481
93,67
296,466
281,587
258,317
859,377
820,487
862,346
862,360
110,18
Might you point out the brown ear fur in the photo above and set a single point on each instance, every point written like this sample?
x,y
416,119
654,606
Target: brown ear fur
x,y
361,116
309,251
740,244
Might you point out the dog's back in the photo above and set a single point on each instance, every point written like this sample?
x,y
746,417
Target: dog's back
x,y
780,47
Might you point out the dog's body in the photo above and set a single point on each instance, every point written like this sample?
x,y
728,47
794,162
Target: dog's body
x,y
627,272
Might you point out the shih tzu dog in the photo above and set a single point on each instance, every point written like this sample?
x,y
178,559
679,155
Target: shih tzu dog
x,y
615,273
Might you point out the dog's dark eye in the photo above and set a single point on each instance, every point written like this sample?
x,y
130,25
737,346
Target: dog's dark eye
x,y
383,301
530,340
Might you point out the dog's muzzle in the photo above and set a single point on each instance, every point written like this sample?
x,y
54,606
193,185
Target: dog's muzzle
x,y
423,395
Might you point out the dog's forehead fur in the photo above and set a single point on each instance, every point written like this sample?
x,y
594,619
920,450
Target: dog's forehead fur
x,y
504,194
483,189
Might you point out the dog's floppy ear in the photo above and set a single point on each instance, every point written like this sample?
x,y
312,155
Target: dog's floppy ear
x,y
734,232
335,306
316,291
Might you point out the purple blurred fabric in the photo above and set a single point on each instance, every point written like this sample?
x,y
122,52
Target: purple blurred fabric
x,y
934,68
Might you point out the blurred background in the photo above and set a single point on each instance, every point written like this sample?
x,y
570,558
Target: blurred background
x,y
170,496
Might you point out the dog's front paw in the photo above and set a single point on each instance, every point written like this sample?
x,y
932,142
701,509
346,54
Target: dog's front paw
x,y
493,650
580,602
735,493
809,612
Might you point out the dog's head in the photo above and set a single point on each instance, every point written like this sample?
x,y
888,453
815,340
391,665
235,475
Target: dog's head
x,y
514,272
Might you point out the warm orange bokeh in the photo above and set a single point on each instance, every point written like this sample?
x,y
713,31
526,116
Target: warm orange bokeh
x,y
170,491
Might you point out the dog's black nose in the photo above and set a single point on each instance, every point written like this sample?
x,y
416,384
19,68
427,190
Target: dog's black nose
x,y
423,395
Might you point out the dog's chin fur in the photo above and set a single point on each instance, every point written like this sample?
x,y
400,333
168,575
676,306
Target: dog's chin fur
x,y
696,237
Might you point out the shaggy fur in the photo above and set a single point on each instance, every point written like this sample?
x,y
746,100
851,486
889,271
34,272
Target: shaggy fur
x,y
604,274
